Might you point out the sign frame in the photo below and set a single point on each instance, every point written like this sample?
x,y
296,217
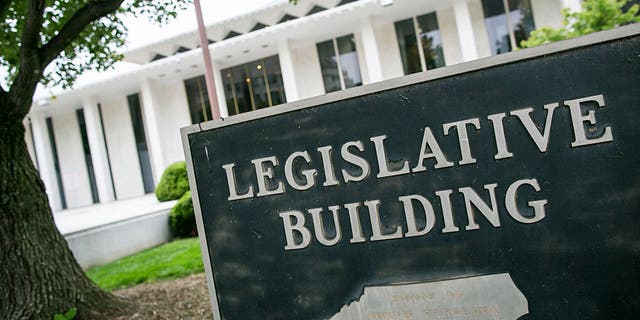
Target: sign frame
x,y
448,71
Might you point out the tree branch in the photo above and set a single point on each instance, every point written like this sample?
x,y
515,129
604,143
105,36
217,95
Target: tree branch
x,y
30,70
32,27
92,11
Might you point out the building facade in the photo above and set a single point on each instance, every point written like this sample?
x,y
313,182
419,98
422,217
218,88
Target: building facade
x,y
110,139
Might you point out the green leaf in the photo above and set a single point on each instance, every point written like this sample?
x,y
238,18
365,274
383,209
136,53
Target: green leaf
x,y
59,317
71,314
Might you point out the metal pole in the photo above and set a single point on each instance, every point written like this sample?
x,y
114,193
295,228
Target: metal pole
x,y
208,69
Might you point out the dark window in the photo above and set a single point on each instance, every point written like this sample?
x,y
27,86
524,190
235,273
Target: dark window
x,y
420,43
430,40
408,43
342,72
135,110
198,99
258,26
56,163
349,61
254,85
33,143
316,9
343,2
287,17
158,57
231,35
329,66
106,149
87,155
182,49
506,31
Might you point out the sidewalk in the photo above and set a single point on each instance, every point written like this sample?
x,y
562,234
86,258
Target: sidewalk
x,y
105,232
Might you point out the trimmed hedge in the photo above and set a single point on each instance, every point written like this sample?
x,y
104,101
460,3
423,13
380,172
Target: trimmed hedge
x,y
173,183
182,219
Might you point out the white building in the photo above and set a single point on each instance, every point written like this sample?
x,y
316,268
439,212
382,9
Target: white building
x,y
111,139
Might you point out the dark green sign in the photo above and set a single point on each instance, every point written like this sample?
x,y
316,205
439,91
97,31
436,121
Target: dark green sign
x,y
525,165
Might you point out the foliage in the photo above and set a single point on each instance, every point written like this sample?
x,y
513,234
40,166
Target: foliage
x,y
173,183
182,219
596,15
95,47
169,261
70,315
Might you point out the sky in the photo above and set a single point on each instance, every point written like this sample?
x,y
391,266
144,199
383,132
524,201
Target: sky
x,y
142,32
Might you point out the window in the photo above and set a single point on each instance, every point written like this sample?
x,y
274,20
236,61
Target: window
x,y
506,31
253,85
344,71
141,142
56,162
420,43
87,155
198,99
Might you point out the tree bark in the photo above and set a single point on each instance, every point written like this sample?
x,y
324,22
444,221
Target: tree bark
x,y
39,276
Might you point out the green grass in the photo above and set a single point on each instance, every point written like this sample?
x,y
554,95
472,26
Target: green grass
x,y
169,261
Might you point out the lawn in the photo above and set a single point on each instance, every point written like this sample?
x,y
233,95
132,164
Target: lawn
x,y
169,261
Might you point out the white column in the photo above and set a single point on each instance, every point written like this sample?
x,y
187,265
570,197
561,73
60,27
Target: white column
x,y
45,160
465,30
371,53
98,150
217,80
152,129
287,70
573,5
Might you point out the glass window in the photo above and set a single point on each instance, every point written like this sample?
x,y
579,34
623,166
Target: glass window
x,y
87,155
430,40
56,162
198,99
344,71
505,32
253,85
329,66
135,111
349,61
408,43
420,43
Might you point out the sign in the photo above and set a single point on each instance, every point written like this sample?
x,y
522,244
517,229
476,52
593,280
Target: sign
x,y
429,196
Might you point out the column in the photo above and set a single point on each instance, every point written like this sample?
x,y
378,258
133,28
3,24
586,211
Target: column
x,y
371,53
45,160
98,149
573,5
287,70
217,80
465,30
152,129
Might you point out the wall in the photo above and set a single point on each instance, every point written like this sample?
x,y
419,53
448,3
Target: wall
x,y
121,144
547,13
172,111
308,73
388,50
479,29
73,168
449,34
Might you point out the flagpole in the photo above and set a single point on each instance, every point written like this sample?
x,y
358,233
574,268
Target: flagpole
x,y
208,69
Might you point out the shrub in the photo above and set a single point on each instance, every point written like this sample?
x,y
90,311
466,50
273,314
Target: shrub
x,y
182,219
173,183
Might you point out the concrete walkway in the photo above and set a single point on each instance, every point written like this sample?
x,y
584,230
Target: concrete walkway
x,y
79,219
105,232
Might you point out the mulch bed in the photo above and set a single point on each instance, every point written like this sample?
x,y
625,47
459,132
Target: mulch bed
x,y
184,298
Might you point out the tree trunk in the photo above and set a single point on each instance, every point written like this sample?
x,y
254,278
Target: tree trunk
x,y
39,276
